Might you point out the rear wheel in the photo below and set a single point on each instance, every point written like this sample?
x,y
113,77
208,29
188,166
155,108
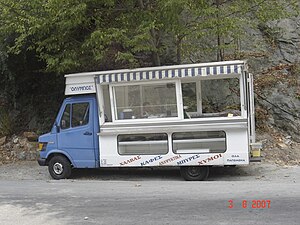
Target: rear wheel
x,y
194,173
59,167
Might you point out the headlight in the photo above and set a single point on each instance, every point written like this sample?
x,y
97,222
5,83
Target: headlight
x,y
42,146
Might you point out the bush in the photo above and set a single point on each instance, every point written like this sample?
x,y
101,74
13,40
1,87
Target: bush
x,y
6,123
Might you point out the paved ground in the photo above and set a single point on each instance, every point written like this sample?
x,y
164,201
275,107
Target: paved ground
x,y
130,196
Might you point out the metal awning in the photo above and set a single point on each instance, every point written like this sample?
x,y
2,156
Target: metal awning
x,y
169,72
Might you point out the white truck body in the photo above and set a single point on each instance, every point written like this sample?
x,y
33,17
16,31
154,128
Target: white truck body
x,y
191,116
238,136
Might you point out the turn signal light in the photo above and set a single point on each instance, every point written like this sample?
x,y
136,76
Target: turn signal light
x,y
42,146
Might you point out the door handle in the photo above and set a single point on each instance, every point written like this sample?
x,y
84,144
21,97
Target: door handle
x,y
87,133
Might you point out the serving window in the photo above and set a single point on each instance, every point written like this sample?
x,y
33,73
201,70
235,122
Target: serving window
x,y
181,99
145,101
211,98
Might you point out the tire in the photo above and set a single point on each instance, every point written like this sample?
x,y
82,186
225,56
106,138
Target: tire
x,y
194,173
59,167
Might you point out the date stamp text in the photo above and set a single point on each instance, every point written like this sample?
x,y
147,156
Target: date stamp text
x,y
254,204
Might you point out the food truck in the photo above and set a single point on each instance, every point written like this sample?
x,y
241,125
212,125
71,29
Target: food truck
x,y
190,116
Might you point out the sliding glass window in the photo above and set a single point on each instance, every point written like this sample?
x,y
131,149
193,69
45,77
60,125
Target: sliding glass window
x,y
145,101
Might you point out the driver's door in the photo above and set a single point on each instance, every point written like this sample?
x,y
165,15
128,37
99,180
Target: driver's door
x,y
76,133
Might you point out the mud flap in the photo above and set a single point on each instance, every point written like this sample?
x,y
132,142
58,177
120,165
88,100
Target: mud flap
x,y
255,154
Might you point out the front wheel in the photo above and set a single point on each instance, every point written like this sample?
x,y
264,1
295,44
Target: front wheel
x,y
194,173
59,167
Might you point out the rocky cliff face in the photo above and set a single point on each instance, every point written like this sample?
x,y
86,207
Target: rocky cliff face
x,y
276,68
289,41
277,75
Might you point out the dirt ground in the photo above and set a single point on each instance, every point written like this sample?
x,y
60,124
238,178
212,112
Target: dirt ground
x,y
264,171
279,149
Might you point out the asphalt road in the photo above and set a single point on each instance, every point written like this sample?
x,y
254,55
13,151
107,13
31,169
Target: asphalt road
x,y
148,198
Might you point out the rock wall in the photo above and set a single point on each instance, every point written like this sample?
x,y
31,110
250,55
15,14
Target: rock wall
x,y
276,69
18,148
288,41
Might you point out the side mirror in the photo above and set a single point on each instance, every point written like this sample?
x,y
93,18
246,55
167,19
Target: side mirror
x,y
57,127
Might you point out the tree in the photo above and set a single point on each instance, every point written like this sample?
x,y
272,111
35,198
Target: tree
x,y
81,35
41,39
77,35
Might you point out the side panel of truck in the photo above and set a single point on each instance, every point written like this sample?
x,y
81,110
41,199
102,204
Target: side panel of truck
x,y
236,152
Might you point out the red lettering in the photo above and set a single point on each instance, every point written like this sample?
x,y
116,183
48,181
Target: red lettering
x,y
261,204
216,156
209,159
167,160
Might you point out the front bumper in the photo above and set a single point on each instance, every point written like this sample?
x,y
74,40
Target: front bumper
x,y
42,162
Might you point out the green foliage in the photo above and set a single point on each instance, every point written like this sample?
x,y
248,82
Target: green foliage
x,y
6,123
78,35
41,39
3,65
7,79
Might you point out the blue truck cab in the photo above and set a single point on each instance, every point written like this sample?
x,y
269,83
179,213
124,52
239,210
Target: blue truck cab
x,y
73,140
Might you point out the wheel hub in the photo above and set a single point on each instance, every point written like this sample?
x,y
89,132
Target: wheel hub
x,y
194,171
58,168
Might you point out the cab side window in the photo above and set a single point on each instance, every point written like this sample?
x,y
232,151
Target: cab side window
x,y
80,114
65,120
